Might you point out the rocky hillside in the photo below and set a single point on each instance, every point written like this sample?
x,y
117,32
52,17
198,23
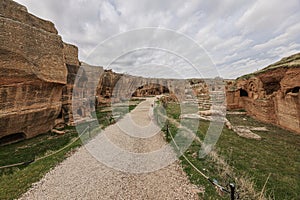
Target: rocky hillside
x,y
271,94
288,62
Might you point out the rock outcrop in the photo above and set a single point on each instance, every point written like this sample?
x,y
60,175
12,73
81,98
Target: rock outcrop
x,y
270,95
32,72
73,65
106,84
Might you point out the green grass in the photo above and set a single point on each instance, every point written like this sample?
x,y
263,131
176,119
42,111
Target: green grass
x,y
173,111
276,154
15,181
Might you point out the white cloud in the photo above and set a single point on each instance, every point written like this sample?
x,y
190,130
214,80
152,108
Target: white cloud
x,y
290,35
266,15
240,36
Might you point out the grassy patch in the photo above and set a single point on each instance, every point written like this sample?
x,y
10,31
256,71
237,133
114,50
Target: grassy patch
x,y
207,165
16,180
276,154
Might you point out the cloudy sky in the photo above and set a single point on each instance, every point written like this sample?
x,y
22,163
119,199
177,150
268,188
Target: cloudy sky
x,y
239,36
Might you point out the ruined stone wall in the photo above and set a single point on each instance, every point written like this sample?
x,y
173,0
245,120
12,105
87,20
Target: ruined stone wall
x,y
261,109
287,99
32,72
288,111
270,95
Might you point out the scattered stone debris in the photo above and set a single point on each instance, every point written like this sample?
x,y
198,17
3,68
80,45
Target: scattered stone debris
x,y
258,128
209,115
243,131
59,124
246,131
57,132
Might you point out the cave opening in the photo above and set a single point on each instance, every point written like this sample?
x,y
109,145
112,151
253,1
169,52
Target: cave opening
x,y
60,114
12,138
271,87
296,90
243,93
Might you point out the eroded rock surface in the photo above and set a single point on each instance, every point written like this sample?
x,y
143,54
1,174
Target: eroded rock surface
x,y
32,72
73,65
270,95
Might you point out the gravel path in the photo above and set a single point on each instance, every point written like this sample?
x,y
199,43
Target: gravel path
x,y
81,176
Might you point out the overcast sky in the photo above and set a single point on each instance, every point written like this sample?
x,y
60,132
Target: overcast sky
x,y
240,36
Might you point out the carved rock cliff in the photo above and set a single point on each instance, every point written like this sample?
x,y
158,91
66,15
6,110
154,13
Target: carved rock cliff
x,y
32,72
271,94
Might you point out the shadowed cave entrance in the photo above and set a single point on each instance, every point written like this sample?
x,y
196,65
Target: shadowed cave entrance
x,y
9,139
271,87
243,93
295,90
150,90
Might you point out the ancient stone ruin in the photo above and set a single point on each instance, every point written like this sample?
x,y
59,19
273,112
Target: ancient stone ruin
x,y
271,94
38,72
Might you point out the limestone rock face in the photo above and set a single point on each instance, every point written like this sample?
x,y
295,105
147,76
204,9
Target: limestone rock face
x,y
71,54
32,72
117,87
106,84
16,12
73,65
114,87
270,95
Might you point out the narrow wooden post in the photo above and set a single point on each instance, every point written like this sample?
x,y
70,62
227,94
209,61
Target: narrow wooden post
x,y
232,191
